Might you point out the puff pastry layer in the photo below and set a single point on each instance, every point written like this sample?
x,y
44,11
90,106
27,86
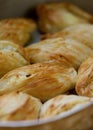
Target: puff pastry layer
x,y
17,30
42,80
67,52
84,84
62,104
82,33
11,57
19,106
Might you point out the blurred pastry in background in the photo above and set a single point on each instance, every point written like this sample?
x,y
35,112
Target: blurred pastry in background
x,y
53,17
17,30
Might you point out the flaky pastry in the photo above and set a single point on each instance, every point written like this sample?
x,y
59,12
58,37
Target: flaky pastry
x,y
62,104
82,33
19,106
41,80
67,52
84,84
11,57
17,30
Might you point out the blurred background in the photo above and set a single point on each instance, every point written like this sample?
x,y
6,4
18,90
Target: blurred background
x,y
17,8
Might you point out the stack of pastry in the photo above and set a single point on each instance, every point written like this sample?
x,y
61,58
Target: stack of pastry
x,y
48,69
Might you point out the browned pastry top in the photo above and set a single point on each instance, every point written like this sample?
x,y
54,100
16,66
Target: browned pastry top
x,y
17,30
66,51
19,106
42,80
11,56
84,84
82,33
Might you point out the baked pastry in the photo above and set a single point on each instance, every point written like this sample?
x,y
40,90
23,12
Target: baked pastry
x,y
11,57
17,30
63,104
41,80
19,106
82,33
84,84
67,52
57,16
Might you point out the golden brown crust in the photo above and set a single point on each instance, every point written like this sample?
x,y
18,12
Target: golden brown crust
x,y
62,104
11,57
17,30
42,80
82,33
84,84
19,106
65,51
10,46
56,16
